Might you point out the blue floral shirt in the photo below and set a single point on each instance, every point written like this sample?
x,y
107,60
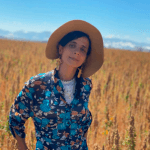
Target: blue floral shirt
x,y
58,127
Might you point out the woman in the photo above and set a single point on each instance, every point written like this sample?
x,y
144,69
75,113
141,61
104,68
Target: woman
x,y
58,100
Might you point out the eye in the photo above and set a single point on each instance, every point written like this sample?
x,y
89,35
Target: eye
x,y
83,49
71,45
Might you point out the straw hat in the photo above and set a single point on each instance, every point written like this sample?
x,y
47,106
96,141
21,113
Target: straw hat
x,y
96,57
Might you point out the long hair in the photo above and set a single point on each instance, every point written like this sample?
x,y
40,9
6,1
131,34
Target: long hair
x,y
66,39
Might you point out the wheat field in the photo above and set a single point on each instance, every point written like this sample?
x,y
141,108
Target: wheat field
x,y
119,101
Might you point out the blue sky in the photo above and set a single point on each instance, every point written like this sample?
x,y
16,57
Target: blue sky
x,y
129,19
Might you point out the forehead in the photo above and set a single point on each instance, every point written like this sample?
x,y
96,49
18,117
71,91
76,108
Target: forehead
x,y
81,41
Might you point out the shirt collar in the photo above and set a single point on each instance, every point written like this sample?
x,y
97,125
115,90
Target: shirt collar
x,y
58,86
57,79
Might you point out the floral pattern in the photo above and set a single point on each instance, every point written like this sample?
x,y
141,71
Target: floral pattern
x,y
58,127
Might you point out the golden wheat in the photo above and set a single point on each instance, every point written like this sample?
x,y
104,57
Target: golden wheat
x,y
119,101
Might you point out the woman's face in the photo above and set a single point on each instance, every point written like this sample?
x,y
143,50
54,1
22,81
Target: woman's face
x,y
76,49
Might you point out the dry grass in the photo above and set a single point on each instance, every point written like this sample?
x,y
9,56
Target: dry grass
x,y
119,101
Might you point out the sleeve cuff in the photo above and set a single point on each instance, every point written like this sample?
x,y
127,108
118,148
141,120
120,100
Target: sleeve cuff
x,y
19,133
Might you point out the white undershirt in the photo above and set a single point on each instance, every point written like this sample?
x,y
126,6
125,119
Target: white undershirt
x,y
69,89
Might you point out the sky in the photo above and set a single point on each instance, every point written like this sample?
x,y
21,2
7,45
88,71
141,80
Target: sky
x,y
128,19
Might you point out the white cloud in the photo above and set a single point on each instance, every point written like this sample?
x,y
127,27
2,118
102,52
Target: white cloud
x,y
107,44
109,36
117,36
119,44
45,39
10,35
147,47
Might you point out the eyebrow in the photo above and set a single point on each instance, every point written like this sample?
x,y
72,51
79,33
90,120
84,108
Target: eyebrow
x,y
76,43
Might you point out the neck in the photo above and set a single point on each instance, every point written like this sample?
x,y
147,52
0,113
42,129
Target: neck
x,y
66,72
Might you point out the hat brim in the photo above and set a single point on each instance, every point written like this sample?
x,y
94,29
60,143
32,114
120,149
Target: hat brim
x,y
96,57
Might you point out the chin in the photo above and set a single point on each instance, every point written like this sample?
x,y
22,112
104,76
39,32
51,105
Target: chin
x,y
75,65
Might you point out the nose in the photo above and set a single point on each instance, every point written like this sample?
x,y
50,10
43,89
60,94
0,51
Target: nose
x,y
77,51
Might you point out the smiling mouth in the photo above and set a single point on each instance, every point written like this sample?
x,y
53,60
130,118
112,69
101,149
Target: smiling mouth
x,y
73,59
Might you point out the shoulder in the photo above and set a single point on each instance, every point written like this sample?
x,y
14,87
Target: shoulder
x,y
39,78
88,79
88,82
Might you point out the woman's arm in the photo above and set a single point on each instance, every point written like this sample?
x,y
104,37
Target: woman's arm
x,y
20,142
19,113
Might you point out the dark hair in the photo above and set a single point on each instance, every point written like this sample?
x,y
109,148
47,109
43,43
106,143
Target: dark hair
x,y
66,39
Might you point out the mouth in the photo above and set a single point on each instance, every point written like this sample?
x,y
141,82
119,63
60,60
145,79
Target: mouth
x,y
74,59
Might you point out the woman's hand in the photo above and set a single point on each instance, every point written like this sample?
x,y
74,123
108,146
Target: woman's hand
x,y
85,135
21,142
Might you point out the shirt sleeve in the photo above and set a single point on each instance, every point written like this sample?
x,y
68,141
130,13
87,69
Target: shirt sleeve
x,y
89,115
87,122
20,111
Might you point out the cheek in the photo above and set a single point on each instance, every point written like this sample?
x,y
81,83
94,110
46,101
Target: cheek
x,y
82,59
83,56
65,56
